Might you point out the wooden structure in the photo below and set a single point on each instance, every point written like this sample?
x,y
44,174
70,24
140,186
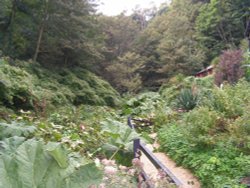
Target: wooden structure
x,y
205,72
139,148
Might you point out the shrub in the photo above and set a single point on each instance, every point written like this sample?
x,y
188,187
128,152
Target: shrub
x,y
199,87
230,100
143,104
203,125
30,86
240,132
187,99
246,65
222,165
229,68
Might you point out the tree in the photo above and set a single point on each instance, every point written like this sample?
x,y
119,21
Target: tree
x,y
220,25
119,62
45,18
120,32
52,32
70,33
168,44
17,27
123,73
179,50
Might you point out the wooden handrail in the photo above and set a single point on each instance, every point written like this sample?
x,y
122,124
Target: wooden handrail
x,y
140,147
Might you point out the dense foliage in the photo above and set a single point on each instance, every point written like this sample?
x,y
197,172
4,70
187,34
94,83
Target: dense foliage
x,y
63,68
26,85
229,68
212,139
32,163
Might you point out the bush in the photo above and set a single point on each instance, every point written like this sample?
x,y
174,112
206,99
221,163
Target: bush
x,y
143,104
30,86
222,165
230,100
246,65
203,125
199,87
240,132
229,68
187,99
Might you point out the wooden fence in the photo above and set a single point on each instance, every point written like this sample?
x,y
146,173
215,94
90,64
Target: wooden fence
x,y
139,148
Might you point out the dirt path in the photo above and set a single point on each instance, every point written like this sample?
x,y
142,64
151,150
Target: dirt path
x,y
184,175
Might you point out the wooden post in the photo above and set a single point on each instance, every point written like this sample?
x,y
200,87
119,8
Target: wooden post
x,y
130,123
137,148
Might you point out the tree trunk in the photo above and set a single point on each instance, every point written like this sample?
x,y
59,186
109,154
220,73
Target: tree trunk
x,y
40,35
38,42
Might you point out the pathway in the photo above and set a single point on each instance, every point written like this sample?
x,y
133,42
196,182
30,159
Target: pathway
x,y
185,176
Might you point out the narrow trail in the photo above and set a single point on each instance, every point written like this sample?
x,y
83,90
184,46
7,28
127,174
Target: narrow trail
x,y
185,176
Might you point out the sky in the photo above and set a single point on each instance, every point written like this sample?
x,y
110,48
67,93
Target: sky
x,y
115,7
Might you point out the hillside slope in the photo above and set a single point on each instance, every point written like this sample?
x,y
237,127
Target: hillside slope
x,y
27,85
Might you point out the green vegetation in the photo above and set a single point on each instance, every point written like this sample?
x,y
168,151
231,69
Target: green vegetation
x,y
70,77
32,163
26,85
210,140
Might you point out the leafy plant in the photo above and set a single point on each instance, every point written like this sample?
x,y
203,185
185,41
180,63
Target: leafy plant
x,y
30,86
222,165
143,105
16,129
240,132
187,99
34,164
120,141
229,100
246,65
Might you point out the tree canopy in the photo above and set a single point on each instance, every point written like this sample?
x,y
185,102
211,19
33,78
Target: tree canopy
x,y
146,48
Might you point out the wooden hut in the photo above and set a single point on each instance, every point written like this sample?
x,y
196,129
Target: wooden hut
x,y
205,72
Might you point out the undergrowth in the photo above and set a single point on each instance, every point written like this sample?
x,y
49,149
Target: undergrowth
x,y
213,139
28,86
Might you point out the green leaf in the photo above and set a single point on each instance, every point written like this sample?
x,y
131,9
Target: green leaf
x,y
34,165
9,145
84,177
8,173
15,129
58,153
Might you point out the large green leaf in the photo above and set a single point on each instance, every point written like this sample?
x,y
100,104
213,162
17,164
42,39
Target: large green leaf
x,y
120,141
58,153
15,129
120,135
36,165
32,163
9,145
84,177
8,173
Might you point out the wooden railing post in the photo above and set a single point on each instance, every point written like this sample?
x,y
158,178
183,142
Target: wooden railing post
x,y
130,124
137,148
141,148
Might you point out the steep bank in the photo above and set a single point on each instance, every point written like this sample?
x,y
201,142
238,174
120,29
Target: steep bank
x,y
28,85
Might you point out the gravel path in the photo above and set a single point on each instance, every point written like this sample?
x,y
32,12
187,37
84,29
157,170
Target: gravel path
x,y
185,176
